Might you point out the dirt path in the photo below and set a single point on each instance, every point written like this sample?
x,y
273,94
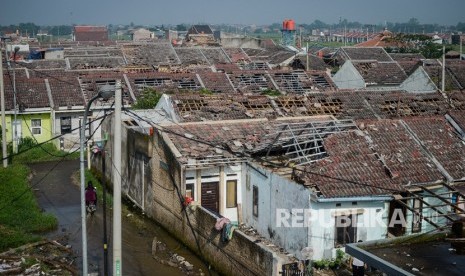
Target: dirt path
x,y
57,194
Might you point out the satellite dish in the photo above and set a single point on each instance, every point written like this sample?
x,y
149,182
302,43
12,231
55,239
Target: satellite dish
x,y
307,253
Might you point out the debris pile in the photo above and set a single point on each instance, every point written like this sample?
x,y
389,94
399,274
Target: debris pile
x,y
40,258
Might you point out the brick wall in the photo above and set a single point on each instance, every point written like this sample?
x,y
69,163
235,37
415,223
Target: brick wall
x,y
194,226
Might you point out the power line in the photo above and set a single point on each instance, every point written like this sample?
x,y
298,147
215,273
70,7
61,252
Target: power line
x,y
51,139
163,129
38,182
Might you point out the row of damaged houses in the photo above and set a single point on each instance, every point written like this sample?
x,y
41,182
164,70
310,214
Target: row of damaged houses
x,y
272,173
375,143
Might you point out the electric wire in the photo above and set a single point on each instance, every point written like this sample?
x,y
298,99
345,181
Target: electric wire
x,y
47,141
166,130
46,174
353,182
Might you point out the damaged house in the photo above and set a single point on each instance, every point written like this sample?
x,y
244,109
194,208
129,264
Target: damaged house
x,y
289,169
372,68
296,180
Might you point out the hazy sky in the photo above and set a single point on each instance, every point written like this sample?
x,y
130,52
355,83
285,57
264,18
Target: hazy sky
x,y
153,12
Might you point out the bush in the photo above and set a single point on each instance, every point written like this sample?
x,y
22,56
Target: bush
x,y
331,263
26,143
271,92
148,99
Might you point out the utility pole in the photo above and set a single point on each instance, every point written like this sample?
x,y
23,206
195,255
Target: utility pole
x,y
443,85
15,124
308,62
117,252
460,47
345,33
2,99
104,204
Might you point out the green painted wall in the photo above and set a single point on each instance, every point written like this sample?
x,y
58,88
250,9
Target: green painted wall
x,y
26,126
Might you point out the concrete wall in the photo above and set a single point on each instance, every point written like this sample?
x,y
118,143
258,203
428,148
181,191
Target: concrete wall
x,y
275,192
70,140
54,54
278,193
142,34
428,212
195,226
221,174
24,127
160,197
348,77
240,42
321,232
419,82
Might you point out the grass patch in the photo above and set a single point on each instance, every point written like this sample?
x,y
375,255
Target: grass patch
x,y
20,216
32,153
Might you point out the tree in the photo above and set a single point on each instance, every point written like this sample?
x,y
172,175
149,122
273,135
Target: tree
x,y
432,50
181,27
61,30
148,99
318,24
461,26
29,28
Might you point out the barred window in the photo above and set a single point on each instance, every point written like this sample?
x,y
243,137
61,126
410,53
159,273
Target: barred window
x,y
65,125
36,126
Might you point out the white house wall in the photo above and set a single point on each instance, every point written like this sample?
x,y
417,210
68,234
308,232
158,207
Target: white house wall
x,y
418,82
322,231
276,196
428,212
221,175
71,140
347,77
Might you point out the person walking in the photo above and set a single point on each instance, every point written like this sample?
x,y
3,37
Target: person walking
x,y
91,194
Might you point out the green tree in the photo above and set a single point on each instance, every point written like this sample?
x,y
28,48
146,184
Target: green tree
x,y
181,27
318,24
61,30
433,50
461,26
148,99
29,28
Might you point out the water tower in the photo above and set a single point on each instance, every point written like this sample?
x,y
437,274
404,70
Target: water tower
x,y
288,32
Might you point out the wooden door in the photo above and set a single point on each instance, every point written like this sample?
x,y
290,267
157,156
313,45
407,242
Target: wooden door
x,y
210,196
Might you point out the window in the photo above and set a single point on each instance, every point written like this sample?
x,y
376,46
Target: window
x,y
417,217
36,126
190,192
231,193
65,123
346,229
255,201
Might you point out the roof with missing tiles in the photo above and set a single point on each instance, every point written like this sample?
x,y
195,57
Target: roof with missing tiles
x,y
458,117
342,105
364,53
380,73
195,107
442,141
381,157
389,155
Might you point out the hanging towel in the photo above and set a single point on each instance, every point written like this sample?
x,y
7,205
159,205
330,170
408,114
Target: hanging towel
x,y
221,222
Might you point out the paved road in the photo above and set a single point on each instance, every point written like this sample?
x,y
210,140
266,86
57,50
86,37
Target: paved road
x,y
59,194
